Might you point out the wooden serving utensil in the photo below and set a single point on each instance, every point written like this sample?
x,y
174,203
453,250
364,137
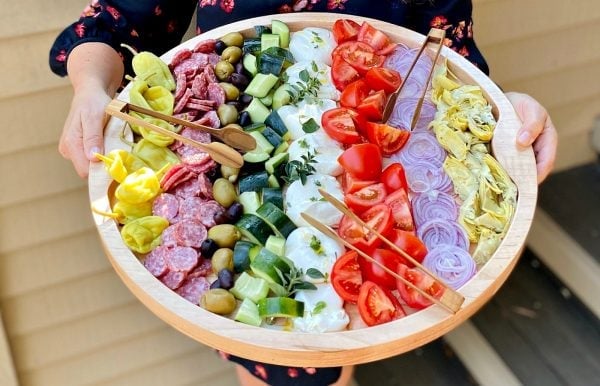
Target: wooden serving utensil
x,y
220,152
448,302
435,35
450,294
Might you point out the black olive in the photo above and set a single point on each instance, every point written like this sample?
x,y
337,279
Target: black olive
x,y
238,106
225,278
244,119
220,47
239,67
246,98
238,80
208,248
222,218
215,284
235,211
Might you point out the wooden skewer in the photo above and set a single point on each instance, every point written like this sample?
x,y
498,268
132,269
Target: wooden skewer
x,y
437,36
220,152
451,295
447,303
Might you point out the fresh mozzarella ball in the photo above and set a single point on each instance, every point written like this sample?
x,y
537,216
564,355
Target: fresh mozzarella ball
x,y
323,310
295,116
318,70
309,248
325,150
312,44
306,198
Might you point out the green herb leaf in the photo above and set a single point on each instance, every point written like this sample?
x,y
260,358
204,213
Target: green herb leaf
x,y
315,244
320,306
304,76
315,273
310,126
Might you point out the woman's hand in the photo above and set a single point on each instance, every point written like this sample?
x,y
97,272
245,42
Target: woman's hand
x,y
537,129
82,134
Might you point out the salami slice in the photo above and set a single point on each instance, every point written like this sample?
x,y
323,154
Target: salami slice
x,y
197,106
216,93
190,208
155,261
196,135
200,59
179,57
213,59
205,46
181,86
180,105
193,288
200,86
203,168
212,119
166,205
173,279
168,236
178,175
206,187
187,67
190,233
208,211
204,269
209,70
181,258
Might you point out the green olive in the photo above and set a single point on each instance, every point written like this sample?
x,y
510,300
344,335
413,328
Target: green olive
x,y
231,92
227,114
222,259
224,192
230,173
218,300
224,69
233,39
232,54
225,235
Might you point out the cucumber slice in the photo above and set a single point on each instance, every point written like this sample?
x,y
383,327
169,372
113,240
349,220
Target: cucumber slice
x,y
282,96
251,46
280,307
250,201
272,136
259,126
280,28
282,148
274,121
274,162
249,63
268,100
276,245
268,40
263,148
261,84
254,228
254,182
254,157
280,222
258,112
273,182
241,255
248,313
272,195
270,266
248,287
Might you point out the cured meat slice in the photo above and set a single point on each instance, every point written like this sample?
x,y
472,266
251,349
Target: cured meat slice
x,y
187,67
200,86
179,57
196,135
208,211
206,186
209,70
166,205
204,168
190,208
197,106
181,258
155,261
216,93
190,188
173,279
200,59
190,233
205,46
203,269
212,119
193,288
167,238
181,86
213,59
175,176
180,105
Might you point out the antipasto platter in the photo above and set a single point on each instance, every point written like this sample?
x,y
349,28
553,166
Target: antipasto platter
x,y
225,255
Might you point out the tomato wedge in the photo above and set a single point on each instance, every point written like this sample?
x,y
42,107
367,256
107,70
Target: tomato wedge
x,y
351,184
394,177
372,106
410,244
388,138
359,55
378,217
344,30
379,41
365,198
362,161
354,93
380,78
377,305
373,272
346,276
342,73
413,298
400,206
339,125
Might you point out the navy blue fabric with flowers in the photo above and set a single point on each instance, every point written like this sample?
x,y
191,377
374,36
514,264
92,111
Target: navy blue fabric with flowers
x,y
159,25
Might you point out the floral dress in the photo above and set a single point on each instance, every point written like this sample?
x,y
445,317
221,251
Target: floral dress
x,y
159,25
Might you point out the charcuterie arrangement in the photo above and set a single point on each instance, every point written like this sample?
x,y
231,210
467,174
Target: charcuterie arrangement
x,y
234,240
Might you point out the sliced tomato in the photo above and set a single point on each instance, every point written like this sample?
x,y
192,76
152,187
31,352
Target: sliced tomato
x,y
379,41
360,56
374,272
378,217
372,106
365,198
410,244
354,93
344,30
346,276
423,281
400,206
339,125
377,305
388,138
386,79
362,161
394,177
351,184
342,73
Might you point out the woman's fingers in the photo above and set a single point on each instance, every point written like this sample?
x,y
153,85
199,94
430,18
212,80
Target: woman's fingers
x,y
544,149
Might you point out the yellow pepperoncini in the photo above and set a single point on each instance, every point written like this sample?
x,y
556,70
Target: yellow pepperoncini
x,y
138,187
160,99
156,157
125,212
150,67
154,137
119,163
143,234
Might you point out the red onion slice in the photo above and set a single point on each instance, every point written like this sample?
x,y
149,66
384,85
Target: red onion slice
x,y
404,110
426,176
421,146
391,61
434,206
438,232
451,264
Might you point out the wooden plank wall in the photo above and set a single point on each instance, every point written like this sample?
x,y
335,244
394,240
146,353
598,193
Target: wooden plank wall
x,y
68,318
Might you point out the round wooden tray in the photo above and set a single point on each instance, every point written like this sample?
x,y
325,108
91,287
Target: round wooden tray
x,y
335,348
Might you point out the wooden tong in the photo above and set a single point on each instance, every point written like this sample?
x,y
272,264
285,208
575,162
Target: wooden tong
x,y
435,35
451,300
220,152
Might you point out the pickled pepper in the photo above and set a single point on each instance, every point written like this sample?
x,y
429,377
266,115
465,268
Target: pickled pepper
x,y
154,137
139,187
151,68
119,163
143,234
156,157
125,212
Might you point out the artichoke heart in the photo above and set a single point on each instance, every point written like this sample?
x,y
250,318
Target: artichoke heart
x,y
450,140
464,181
